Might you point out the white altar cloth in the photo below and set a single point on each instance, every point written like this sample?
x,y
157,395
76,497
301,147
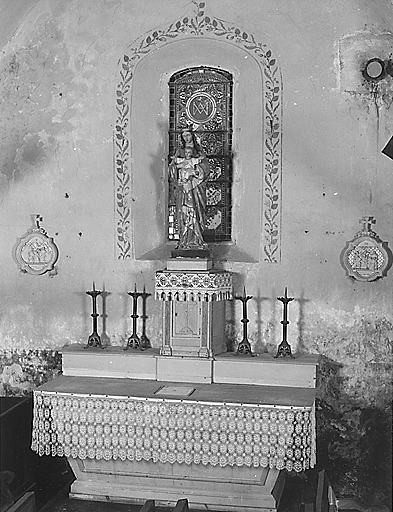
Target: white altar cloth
x,y
118,419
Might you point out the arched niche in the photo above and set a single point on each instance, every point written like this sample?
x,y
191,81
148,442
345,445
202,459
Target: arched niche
x,y
141,145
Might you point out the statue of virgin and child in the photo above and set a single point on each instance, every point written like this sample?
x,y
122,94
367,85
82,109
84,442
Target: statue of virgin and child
x,y
189,171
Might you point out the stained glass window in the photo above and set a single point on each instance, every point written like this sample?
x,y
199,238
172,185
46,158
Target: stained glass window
x,y
201,97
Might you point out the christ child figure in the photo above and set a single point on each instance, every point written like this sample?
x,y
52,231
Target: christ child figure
x,y
189,172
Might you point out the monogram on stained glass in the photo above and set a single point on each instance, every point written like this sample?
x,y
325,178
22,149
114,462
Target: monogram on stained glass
x,y
201,98
201,107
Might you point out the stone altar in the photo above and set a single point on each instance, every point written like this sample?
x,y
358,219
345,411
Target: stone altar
x,y
221,446
185,420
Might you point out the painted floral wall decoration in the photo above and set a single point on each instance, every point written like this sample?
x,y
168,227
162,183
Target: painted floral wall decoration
x,y
201,25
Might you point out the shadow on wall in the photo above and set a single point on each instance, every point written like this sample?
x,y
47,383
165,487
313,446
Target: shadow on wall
x,y
159,172
265,314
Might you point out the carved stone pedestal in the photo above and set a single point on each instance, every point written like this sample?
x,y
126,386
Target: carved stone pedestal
x,y
193,328
193,308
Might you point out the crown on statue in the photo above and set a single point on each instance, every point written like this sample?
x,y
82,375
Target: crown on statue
x,y
187,128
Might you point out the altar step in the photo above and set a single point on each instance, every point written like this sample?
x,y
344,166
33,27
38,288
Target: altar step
x,y
227,368
62,503
150,506
226,489
294,496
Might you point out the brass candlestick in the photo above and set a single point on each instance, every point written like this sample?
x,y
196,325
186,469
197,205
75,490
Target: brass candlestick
x,y
284,348
244,346
134,340
94,339
145,342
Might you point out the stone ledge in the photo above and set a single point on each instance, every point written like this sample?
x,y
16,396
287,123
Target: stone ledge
x,y
226,368
265,370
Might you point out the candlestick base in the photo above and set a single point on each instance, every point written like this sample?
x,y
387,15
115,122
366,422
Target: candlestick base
x,y
283,350
94,340
244,348
133,342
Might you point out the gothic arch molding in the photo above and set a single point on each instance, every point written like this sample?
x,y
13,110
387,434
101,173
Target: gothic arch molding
x,y
201,26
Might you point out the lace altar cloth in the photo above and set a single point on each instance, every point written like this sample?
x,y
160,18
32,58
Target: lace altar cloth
x,y
169,431
193,285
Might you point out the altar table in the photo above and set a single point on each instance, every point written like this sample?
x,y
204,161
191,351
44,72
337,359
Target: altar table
x,y
222,446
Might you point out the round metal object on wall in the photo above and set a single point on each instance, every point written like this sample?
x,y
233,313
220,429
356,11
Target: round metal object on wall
x,y
374,70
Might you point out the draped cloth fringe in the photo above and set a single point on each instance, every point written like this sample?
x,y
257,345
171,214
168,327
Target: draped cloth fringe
x,y
173,431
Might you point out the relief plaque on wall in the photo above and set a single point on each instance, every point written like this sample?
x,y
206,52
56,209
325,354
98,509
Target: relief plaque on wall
x,y
35,252
366,257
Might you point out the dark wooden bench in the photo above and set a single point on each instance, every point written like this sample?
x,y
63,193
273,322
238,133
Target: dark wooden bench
x,y
325,500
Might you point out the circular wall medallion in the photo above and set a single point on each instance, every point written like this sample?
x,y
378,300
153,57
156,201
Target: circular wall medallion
x,y
201,107
35,252
366,258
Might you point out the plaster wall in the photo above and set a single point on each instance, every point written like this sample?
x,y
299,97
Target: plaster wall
x,y
59,68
